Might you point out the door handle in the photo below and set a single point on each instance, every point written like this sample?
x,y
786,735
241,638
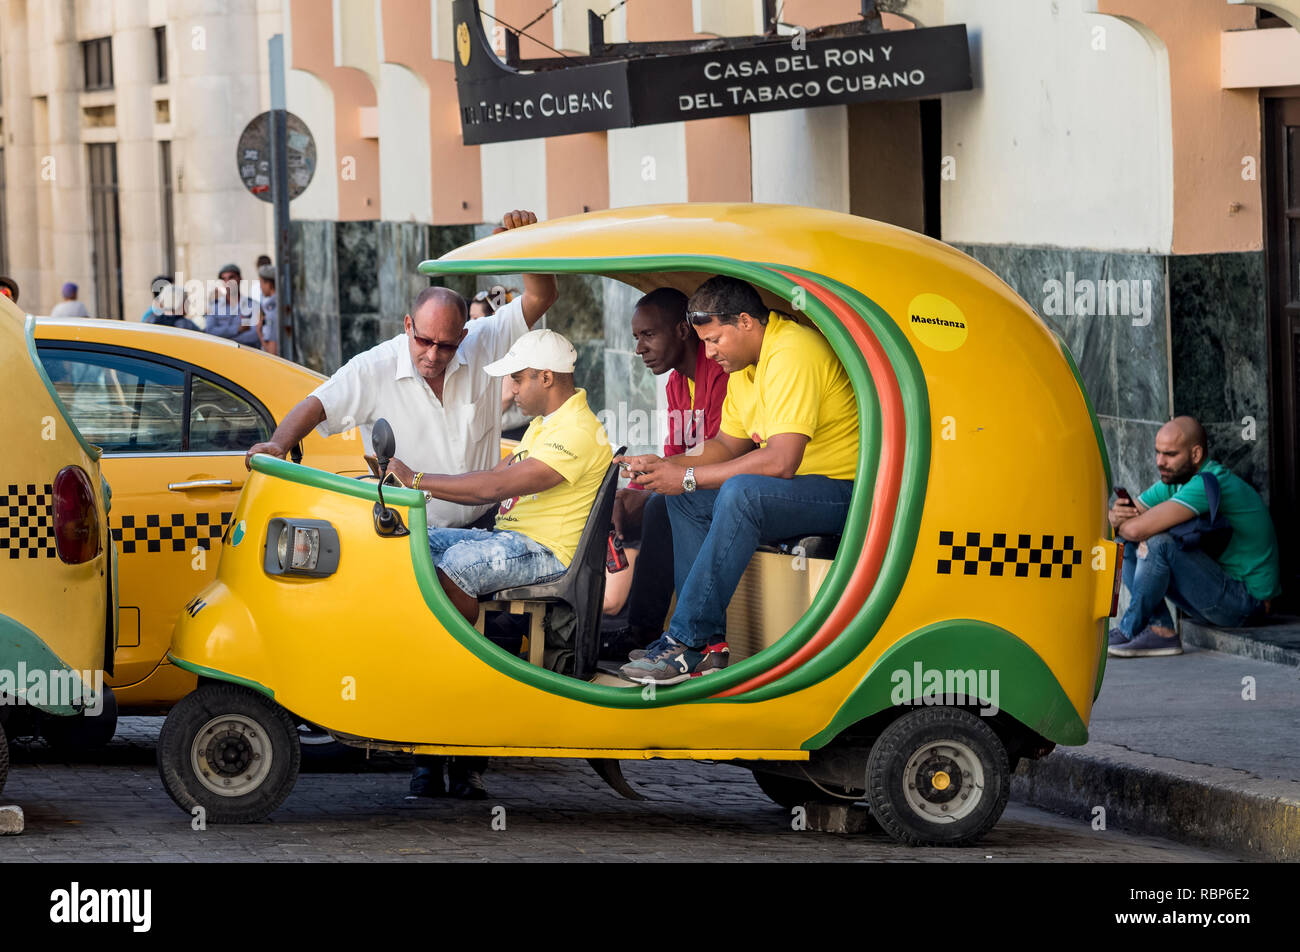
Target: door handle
x,y
203,484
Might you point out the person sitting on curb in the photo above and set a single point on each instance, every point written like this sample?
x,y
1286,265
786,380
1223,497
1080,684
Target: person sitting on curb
x,y
782,464
1226,591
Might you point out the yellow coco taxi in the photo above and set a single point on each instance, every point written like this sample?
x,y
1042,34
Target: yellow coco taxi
x,y
58,593
174,412
953,628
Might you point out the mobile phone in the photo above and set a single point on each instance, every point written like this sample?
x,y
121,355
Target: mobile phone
x,y
1123,495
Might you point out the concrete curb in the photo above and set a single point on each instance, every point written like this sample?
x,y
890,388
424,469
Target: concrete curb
x,y
1203,805
1244,646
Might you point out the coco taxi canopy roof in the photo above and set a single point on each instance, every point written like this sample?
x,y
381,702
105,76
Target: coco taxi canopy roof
x,y
982,475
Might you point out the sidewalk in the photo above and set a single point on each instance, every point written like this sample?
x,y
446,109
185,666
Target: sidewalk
x,y
1176,751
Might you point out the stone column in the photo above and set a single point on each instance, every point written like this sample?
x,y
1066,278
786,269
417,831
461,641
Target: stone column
x,y
139,182
214,84
69,224
22,164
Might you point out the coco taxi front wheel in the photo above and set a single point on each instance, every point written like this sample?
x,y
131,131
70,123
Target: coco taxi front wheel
x,y
938,777
229,750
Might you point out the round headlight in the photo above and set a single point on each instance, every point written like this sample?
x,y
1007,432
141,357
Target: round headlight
x,y
283,546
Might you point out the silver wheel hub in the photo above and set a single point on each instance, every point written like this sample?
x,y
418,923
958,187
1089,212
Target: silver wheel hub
x,y
231,755
943,781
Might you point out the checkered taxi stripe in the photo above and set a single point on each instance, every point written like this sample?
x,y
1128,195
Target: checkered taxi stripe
x,y
1006,553
27,521
176,531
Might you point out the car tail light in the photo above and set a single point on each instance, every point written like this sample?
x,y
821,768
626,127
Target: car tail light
x,y
76,521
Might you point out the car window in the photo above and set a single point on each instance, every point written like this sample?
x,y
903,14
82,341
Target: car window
x,y
122,404
222,421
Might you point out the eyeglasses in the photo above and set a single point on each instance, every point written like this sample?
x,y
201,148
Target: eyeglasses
x,y
425,343
704,315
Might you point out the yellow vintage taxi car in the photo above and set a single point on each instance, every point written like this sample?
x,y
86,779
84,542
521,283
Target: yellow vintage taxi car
x,y
174,412
58,591
953,628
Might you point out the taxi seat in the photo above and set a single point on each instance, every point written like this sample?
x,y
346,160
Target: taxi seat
x,y
581,587
779,584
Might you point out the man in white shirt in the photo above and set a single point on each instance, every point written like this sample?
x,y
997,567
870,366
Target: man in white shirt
x,y
429,383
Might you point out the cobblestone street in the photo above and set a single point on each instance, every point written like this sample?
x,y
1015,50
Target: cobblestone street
x,y
113,808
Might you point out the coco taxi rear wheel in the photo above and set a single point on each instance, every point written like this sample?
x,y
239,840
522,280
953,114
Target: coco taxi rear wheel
x,y
229,750
938,777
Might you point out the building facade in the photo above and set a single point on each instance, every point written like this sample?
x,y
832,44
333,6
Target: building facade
x,y
1130,167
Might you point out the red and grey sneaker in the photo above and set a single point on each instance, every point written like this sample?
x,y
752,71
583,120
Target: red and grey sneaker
x,y
715,659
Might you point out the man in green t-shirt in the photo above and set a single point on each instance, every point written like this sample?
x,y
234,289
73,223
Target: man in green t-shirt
x,y
1225,591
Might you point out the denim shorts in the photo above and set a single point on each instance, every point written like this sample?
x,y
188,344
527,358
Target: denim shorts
x,y
483,561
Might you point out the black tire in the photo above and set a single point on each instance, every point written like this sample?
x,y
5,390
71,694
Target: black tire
x,y
231,739
791,792
4,758
958,783
83,731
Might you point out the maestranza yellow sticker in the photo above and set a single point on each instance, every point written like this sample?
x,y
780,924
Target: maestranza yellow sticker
x,y
936,322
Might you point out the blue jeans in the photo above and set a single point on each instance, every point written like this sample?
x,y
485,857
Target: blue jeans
x,y
483,561
716,531
1190,579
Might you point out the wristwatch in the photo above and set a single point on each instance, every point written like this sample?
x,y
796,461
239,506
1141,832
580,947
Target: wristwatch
x,y
688,481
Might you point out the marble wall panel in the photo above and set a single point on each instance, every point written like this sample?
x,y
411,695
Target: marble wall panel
x,y
357,333
630,413
1219,336
315,295
445,238
402,246
358,266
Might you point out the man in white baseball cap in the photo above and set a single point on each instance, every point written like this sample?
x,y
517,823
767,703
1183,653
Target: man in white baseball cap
x,y
545,490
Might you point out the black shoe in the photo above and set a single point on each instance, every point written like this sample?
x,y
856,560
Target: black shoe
x,y
615,645
466,783
425,782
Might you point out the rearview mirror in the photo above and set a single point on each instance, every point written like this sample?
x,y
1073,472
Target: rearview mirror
x,y
385,444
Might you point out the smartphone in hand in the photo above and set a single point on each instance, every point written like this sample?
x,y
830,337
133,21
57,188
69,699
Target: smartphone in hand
x,y
1124,497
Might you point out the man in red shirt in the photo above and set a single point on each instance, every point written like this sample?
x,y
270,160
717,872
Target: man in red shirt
x,y
697,386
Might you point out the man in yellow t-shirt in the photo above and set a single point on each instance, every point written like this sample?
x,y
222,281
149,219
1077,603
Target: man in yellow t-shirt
x,y
782,465
546,489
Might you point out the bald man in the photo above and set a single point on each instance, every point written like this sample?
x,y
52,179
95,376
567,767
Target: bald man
x,y
1226,590
429,383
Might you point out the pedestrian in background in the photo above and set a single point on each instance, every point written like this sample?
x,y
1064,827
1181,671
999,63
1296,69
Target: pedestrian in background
x,y
69,306
268,323
255,292
168,306
229,314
